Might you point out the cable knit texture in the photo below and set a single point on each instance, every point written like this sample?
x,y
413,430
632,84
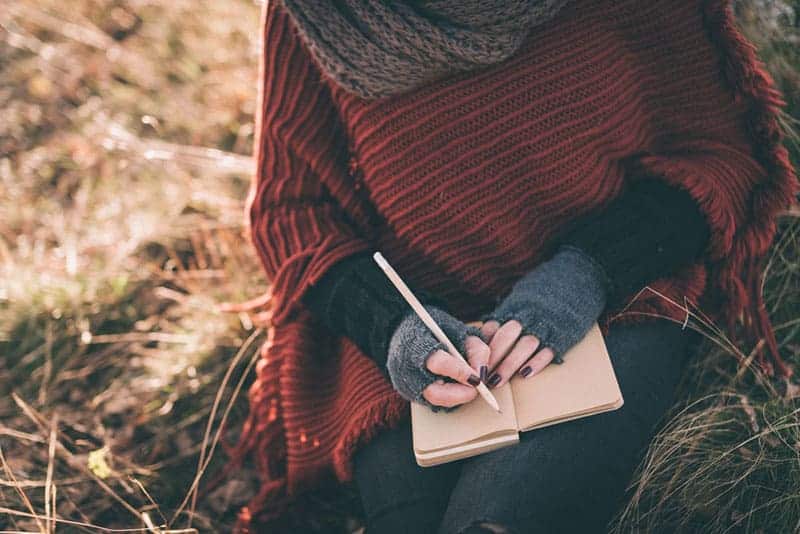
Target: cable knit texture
x,y
411,346
558,301
378,49
468,183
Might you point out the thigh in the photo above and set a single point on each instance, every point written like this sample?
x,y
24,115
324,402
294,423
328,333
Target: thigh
x,y
572,477
397,494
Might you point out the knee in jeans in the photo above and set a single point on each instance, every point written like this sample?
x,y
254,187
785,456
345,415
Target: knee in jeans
x,y
486,527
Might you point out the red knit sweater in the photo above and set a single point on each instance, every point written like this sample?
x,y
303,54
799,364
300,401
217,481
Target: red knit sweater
x,y
464,184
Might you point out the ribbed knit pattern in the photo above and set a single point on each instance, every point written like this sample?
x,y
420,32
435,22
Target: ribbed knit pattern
x,y
467,183
356,299
649,231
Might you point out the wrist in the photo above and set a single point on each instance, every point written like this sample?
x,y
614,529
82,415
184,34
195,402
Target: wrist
x,y
557,301
354,298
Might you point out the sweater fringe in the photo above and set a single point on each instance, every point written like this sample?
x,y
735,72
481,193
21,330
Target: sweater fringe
x,y
735,284
384,413
740,277
263,438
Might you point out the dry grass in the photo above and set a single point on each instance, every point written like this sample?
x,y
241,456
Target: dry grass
x,y
124,164
726,457
123,235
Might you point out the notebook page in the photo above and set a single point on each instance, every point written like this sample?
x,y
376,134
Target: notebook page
x,y
433,431
584,384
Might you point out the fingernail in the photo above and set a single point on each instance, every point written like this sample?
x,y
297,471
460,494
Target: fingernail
x,y
493,380
473,380
525,371
484,371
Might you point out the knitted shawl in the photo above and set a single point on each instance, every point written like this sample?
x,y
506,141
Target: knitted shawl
x,y
465,184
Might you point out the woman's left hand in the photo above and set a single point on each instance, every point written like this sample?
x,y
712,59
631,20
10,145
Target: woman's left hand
x,y
551,307
510,353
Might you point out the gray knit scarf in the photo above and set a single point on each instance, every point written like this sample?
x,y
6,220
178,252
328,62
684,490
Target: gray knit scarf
x,y
377,48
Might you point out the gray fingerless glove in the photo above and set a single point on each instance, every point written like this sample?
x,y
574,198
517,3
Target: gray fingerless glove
x,y
411,344
558,301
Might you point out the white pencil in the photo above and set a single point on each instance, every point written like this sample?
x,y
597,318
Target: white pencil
x,y
429,322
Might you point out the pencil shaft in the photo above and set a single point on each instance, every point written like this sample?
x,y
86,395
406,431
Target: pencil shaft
x,y
420,310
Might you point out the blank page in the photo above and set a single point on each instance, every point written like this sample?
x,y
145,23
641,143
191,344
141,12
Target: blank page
x,y
583,385
434,431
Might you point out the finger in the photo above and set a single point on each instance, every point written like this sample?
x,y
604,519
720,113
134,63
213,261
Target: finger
x,y
489,328
477,355
521,353
449,394
539,361
502,342
445,364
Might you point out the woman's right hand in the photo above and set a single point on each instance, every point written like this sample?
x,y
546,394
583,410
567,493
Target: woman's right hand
x,y
419,365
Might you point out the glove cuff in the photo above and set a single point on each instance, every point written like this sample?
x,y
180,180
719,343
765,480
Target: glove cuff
x,y
558,301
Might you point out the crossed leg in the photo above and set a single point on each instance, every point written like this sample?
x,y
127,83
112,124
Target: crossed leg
x,y
399,496
572,477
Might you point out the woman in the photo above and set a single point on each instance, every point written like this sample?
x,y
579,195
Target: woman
x,y
535,165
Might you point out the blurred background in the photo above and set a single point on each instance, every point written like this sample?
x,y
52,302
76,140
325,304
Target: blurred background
x,y
126,128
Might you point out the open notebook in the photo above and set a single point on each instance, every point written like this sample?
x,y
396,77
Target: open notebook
x,y
584,384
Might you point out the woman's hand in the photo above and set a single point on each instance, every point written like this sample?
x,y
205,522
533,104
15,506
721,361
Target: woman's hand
x,y
510,353
422,370
551,308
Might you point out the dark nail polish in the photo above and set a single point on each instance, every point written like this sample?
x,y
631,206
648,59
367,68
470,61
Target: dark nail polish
x,y
484,372
493,380
525,371
473,380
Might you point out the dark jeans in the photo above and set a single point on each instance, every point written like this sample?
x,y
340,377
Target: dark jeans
x,y
570,477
